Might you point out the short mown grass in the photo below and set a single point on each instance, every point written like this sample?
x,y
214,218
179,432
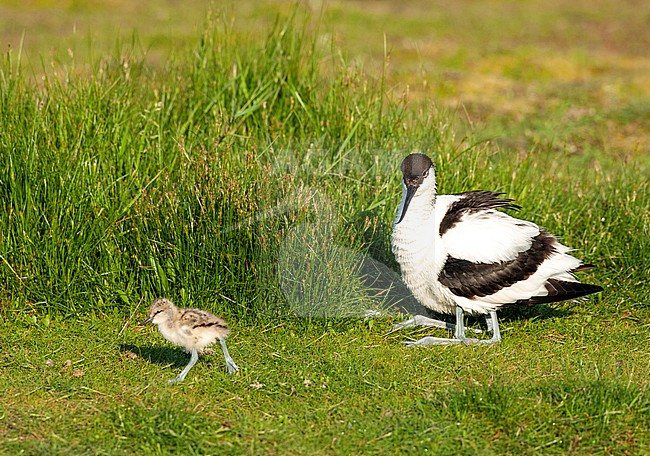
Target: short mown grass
x,y
256,175
559,383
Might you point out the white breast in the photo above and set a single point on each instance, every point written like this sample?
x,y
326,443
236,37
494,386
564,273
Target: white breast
x,y
189,337
416,245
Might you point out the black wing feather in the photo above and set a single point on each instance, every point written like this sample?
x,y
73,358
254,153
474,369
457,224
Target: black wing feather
x,y
559,291
474,280
471,202
471,280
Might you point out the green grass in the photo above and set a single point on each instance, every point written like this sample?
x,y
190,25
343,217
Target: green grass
x,y
253,172
325,389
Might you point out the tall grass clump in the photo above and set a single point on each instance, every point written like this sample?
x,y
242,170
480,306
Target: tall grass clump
x,y
257,173
120,183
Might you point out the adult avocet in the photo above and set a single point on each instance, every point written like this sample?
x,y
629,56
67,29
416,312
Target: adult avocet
x,y
459,253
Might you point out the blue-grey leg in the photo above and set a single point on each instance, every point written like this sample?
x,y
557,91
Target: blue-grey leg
x,y
193,359
421,320
459,334
230,364
493,327
460,324
460,328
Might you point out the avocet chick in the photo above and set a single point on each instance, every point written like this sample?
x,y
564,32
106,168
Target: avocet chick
x,y
192,329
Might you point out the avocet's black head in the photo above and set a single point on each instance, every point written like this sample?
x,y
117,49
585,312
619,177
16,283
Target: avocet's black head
x,y
415,168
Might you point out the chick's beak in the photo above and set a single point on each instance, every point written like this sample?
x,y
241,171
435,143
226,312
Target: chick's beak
x,y
148,320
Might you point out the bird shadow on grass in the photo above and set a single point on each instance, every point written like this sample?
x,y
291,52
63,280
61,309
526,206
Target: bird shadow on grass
x,y
538,312
535,312
158,355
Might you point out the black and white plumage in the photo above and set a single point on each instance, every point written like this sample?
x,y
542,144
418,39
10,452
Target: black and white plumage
x,y
459,253
192,329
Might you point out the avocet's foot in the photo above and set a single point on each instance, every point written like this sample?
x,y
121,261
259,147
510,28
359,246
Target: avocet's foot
x,y
432,341
421,320
231,366
175,380
472,341
459,335
442,341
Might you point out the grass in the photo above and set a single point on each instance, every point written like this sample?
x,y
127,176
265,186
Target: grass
x,y
320,389
252,172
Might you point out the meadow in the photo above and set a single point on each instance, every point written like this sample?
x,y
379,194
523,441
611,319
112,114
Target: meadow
x,y
246,159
